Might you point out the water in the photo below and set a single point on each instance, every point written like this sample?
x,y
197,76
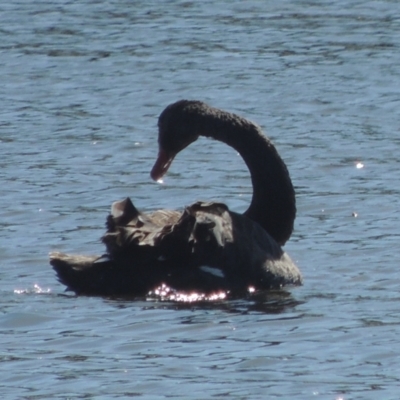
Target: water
x,y
82,86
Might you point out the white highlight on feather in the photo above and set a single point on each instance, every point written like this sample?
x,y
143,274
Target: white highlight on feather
x,y
103,258
213,271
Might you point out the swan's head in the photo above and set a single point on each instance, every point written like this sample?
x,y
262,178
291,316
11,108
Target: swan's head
x,y
178,127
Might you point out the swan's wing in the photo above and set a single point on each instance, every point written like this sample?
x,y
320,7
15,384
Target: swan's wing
x,y
131,233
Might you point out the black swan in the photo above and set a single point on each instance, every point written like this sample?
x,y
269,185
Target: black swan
x,y
207,247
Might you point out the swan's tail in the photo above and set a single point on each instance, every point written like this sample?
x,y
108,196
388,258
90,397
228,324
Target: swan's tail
x,y
103,276
83,274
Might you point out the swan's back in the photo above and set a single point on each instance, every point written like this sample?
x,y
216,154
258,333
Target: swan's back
x,y
209,235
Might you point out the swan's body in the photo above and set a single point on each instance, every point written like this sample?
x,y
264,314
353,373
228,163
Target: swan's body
x,y
206,247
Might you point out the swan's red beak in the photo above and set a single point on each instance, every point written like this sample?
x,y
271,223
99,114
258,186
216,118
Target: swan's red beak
x,y
161,165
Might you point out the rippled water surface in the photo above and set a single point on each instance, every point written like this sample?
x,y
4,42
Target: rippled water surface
x,y
82,86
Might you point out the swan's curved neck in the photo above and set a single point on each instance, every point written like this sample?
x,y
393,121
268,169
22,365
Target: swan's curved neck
x,y
273,204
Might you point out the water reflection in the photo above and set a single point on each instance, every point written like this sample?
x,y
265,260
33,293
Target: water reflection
x,y
265,302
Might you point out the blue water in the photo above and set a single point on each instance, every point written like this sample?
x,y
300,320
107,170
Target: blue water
x,y
82,86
